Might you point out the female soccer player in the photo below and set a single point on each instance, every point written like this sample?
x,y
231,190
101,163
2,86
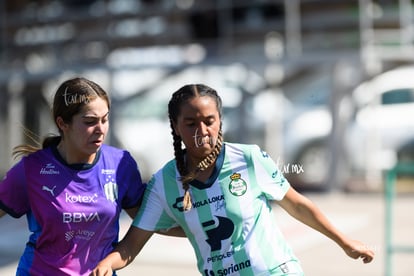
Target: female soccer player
x,y
220,194
73,190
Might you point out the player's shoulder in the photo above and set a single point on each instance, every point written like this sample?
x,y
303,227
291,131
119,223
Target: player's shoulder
x,y
39,155
169,168
118,155
114,151
241,148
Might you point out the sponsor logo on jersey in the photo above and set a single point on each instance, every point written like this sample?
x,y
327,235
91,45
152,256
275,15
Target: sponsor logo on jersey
x,y
79,234
228,270
221,256
48,189
78,217
108,171
81,198
218,230
49,169
179,204
237,186
218,200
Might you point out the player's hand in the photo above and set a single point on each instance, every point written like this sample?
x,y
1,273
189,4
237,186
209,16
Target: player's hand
x,y
102,270
356,249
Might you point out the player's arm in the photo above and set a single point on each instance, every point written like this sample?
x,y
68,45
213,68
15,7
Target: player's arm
x,y
124,253
2,213
174,232
304,210
132,212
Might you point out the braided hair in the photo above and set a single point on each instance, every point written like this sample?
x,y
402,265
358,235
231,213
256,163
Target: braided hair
x,y
181,96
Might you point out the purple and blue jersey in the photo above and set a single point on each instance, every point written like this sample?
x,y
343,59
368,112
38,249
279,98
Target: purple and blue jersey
x,y
72,210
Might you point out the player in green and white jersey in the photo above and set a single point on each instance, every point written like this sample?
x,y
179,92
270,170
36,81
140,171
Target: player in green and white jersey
x,y
220,194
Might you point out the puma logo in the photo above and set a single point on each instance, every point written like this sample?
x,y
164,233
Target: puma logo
x,y
52,191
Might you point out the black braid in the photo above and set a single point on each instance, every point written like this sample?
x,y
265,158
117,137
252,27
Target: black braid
x,y
174,108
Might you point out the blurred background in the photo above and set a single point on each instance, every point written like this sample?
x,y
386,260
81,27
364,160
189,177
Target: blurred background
x,y
326,87
302,79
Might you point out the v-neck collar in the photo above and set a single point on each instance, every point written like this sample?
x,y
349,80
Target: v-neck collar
x,y
76,166
216,171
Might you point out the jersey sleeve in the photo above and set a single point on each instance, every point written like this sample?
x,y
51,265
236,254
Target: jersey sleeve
x,y
130,177
272,182
152,216
13,191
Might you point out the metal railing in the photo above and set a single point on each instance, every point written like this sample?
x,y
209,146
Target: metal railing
x,y
392,248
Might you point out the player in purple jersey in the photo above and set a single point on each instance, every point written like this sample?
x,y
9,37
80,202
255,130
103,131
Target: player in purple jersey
x,y
73,190
223,219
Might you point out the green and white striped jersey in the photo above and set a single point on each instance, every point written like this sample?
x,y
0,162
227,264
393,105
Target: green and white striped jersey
x,y
230,226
